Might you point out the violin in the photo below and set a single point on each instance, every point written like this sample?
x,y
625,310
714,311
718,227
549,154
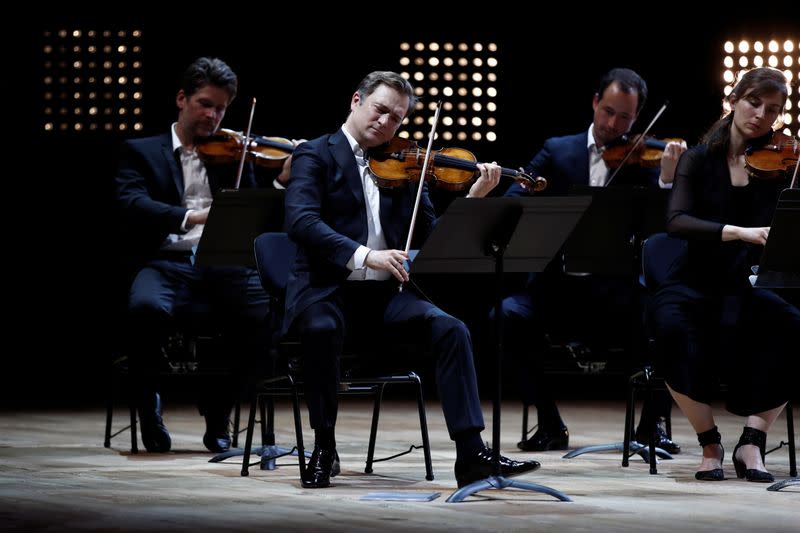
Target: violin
x,y
647,154
775,160
226,146
400,160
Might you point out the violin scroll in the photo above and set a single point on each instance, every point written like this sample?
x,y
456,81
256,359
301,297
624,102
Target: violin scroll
x,y
536,184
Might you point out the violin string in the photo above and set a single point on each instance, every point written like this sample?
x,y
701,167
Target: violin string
x,y
637,143
245,144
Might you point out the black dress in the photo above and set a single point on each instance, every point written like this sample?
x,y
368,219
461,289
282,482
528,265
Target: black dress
x,y
711,326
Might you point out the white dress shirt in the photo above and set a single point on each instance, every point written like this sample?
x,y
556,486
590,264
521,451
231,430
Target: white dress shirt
x,y
375,238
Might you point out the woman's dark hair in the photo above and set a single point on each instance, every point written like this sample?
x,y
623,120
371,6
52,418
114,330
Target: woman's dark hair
x,y
755,82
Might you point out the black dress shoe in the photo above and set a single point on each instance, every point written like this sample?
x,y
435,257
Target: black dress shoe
x,y
155,436
546,439
662,440
479,466
217,438
321,467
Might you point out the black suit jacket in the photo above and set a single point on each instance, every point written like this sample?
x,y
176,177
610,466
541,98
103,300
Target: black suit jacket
x,y
150,190
564,162
326,216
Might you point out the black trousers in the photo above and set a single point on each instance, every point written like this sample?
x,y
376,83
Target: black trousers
x,y
747,340
364,311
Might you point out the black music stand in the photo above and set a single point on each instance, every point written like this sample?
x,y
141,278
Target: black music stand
x,y
607,241
236,218
499,235
779,268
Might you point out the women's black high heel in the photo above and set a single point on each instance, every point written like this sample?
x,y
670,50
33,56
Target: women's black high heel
x,y
708,438
758,438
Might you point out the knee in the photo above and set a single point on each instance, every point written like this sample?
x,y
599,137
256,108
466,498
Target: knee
x,y
448,327
321,328
143,309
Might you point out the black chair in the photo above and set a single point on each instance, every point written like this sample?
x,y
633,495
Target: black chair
x,y
661,255
188,358
274,254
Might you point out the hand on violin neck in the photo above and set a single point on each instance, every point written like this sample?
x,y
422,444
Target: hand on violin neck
x,y
388,260
489,178
669,160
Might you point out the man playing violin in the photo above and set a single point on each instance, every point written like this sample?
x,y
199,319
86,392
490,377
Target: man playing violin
x,y
165,192
566,162
344,280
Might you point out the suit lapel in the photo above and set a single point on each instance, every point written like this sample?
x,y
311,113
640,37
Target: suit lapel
x,y
581,159
172,161
343,155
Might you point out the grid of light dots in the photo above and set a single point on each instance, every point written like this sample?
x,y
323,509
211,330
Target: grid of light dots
x,y
92,80
464,77
744,55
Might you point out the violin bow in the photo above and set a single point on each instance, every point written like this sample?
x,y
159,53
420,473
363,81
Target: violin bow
x,y
637,143
796,166
246,144
422,178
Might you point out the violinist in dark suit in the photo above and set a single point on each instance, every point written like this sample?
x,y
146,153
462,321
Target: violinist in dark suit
x,y
559,298
344,281
165,192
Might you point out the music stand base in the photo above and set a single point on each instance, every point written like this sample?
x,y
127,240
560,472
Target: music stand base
x,y
775,487
500,482
268,455
641,449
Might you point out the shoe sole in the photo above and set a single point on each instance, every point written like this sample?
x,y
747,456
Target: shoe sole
x,y
549,447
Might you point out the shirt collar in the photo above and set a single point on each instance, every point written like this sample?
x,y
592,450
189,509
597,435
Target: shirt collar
x,y
354,146
591,144
177,146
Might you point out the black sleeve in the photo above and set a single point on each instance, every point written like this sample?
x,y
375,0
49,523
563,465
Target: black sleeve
x,y
691,175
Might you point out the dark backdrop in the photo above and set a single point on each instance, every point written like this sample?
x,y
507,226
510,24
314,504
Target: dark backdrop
x,y
63,284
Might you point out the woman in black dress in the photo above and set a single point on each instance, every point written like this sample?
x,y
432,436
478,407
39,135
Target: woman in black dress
x,y
710,323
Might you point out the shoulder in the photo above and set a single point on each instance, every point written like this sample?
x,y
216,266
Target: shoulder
x,y
698,154
320,146
146,144
568,140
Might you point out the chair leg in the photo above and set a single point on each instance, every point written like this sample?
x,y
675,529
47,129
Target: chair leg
x,y
650,423
134,430
525,408
298,428
790,428
630,415
248,441
268,422
373,432
423,426
109,418
237,412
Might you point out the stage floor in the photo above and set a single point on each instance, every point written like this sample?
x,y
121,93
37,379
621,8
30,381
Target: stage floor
x,y
57,475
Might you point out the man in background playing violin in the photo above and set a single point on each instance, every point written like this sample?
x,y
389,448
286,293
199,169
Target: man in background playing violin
x,y
344,281
553,297
165,192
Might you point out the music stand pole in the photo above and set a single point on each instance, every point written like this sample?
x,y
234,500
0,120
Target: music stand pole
x,y
497,481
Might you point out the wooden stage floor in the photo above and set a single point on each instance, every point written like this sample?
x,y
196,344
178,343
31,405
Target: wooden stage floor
x,y
57,475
